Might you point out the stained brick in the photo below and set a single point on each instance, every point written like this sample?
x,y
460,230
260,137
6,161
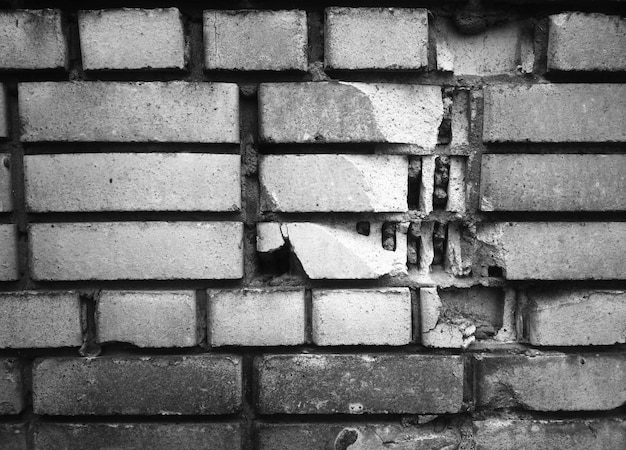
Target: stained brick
x,y
8,252
40,319
136,250
317,384
13,436
255,40
11,387
6,189
146,385
132,38
129,112
133,182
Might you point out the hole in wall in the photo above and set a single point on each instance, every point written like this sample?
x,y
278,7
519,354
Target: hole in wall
x,y
363,228
389,236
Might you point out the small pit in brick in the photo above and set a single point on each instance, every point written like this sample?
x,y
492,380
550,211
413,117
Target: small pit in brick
x,y
346,438
439,243
275,263
363,228
442,177
415,179
495,271
389,236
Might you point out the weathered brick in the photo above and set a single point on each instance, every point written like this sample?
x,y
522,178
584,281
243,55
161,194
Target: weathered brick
x,y
6,189
575,316
132,38
4,113
156,436
146,385
133,182
8,252
317,384
503,49
552,381
136,250
503,434
256,317
553,182
362,317
338,251
376,38
339,183
255,40
11,387
147,318
555,113
581,41
440,327
13,436
129,112
40,320
309,436
32,39
350,113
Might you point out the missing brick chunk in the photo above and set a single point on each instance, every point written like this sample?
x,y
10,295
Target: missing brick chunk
x,y
444,135
439,243
389,236
363,228
495,271
415,181
442,178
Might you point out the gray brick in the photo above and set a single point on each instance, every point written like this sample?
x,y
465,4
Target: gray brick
x,y
6,188
4,113
13,436
8,252
11,386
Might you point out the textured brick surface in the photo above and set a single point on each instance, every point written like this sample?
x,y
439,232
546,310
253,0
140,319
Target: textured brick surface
x,y
579,41
4,113
136,250
256,317
6,189
553,183
552,382
32,39
157,436
147,318
255,40
341,183
133,182
440,327
576,316
362,316
376,38
40,319
149,385
11,388
317,384
129,112
555,113
350,112
8,252
13,436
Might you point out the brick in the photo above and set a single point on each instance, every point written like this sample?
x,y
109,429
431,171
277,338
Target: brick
x,y
338,183
580,42
555,113
129,112
317,384
376,38
13,436
133,182
341,112
502,49
256,317
255,40
309,436
4,113
362,316
156,436
575,316
40,320
145,385
560,250
32,39
11,387
147,318
8,253
503,434
6,189
132,38
552,381
553,182
441,328
338,251
136,250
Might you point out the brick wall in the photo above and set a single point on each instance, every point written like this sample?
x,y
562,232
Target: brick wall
x,y
313,225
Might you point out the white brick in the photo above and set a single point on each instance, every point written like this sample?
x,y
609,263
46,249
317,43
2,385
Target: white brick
x,y
438,330
4,113
8,252
376,38
147,318
341,112
256,317
6,189
133,182
339,183
129,112
255,40
362,317
269,236
132,39
32,39
136,250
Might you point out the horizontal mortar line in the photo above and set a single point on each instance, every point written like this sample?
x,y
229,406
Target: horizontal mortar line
x,y
231,419
554,216
567,148
329,216
344,419
147,285
52,148
134,216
